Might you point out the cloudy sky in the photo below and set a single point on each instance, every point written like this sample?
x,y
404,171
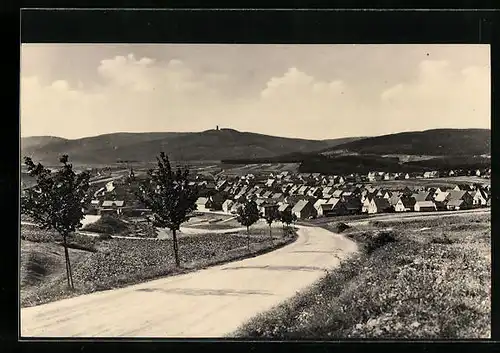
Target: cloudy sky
x,y
307,91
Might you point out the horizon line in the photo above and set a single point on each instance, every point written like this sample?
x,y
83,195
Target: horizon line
x,y
251,132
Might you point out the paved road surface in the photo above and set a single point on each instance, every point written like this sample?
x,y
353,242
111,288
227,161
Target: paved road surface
x,y
207,303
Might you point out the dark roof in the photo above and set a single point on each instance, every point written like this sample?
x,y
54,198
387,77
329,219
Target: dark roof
x,y
408,201
381,203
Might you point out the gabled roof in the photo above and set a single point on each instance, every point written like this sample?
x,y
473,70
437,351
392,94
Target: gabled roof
x,y
284,207
112,203
423,196
299,206
381,203
327,190
441,196
352,203
408,201
320,202
455,203
202,200
267,194
425,204
260,202
337,193
331,204
456,195
394,199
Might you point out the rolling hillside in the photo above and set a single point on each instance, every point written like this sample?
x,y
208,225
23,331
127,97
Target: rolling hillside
x,y
206,145
39,141
438,142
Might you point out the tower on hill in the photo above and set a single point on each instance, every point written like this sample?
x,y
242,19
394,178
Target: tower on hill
x,y
217,128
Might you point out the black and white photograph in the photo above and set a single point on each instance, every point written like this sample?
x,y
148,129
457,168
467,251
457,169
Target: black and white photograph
x,y
255,191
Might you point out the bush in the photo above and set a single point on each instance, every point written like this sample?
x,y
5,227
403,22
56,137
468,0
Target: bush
x,y
340,227
379,239
107,224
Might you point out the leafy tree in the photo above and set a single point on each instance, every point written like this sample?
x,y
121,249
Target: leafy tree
x,y
287,217
57,201
169,196
247,215
271,216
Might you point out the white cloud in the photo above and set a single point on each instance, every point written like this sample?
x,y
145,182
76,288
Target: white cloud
x,y
142,94
440,96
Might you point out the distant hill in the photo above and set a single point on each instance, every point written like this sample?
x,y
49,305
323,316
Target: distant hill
x,y
438,142
39,141
206,145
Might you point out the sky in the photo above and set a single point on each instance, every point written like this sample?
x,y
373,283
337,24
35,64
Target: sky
x,y
303,91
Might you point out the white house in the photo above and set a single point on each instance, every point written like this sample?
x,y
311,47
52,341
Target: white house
x,y
479,198
378,205
366,204
203,204
227,205
405,204
425,206
317,206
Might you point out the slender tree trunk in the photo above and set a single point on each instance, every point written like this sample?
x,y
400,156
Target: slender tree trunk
x,y
271,234
68,263
248,238
176,248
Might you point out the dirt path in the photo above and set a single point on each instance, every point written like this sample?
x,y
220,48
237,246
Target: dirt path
x,y
206,303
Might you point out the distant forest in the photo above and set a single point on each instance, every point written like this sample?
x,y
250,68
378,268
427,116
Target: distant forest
x,y
317,163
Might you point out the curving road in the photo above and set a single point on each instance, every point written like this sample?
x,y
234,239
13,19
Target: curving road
x,y
207,303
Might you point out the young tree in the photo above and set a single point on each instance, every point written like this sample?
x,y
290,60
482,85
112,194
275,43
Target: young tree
x,y
170,198
287,217
57,201
271,216
248,214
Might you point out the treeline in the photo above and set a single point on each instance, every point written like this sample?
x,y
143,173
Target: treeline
x,y
457,162
353,164
297,157
366,163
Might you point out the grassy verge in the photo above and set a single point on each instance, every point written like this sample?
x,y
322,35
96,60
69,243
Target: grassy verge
x,y
407,284
116,263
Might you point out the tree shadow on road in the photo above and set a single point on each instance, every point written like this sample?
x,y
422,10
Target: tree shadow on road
x,y
278,268
204,291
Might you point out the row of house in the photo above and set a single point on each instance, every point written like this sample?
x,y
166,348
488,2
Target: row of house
x,y
431,199
306,195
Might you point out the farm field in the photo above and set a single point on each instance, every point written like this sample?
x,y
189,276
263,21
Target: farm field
x,y
447,182
240,170
105,264
413,279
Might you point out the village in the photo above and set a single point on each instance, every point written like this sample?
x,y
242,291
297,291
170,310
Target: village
x,y
309,196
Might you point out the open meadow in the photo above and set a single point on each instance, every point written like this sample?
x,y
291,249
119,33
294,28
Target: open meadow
x,y
412,279
446,182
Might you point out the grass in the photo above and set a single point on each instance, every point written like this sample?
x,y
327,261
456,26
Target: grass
x,y
120,262
411,285
445,182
